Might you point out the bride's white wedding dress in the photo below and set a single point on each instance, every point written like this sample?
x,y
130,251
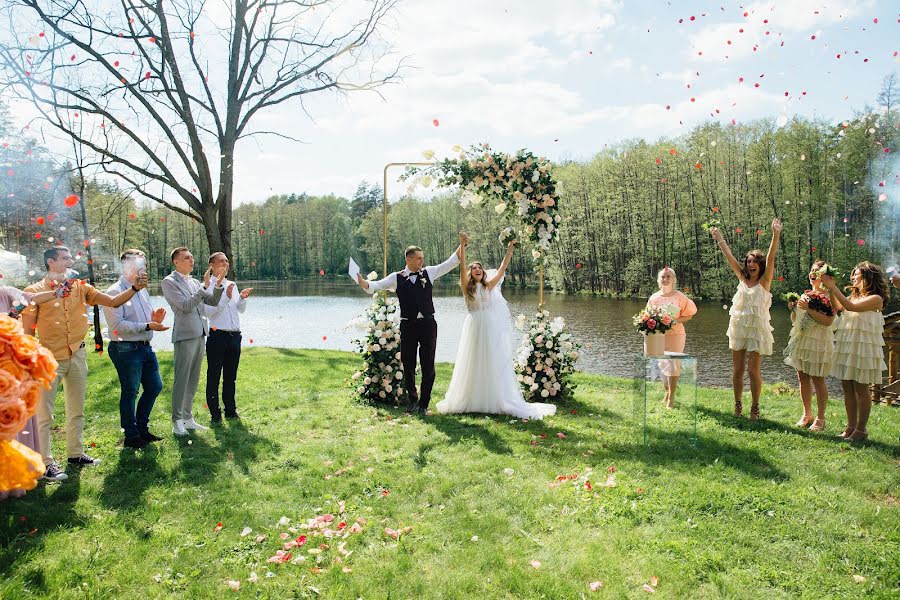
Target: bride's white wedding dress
x,y
484,380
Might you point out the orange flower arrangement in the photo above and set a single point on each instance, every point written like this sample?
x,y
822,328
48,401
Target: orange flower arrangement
x,y
25,368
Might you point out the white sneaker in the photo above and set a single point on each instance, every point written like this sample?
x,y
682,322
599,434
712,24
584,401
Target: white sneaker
x,y
178,427
192,424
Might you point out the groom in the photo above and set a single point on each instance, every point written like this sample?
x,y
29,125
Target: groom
x,y
418,329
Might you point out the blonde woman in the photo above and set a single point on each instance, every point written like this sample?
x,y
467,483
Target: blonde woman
x,y
682,309
484,380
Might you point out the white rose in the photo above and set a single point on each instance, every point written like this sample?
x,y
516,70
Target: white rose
x,y
367,380
544,393
399,375
500,208
356,375
372,276
376,348
360,390
535,254
397,356
382,394
388,388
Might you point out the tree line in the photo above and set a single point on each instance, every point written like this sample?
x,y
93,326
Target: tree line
x,y
630,210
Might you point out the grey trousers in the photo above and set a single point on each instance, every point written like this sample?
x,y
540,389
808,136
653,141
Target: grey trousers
x,y
188,363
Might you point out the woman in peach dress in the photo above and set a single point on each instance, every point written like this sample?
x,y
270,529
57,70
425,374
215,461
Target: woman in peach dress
x,y
682,309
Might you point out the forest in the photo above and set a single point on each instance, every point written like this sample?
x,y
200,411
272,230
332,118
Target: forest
x,y
629,210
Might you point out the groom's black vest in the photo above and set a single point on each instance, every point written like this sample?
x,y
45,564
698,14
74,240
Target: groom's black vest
x,y
415,297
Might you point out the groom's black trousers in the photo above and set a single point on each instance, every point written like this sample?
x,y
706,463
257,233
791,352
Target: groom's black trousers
x,y
418,336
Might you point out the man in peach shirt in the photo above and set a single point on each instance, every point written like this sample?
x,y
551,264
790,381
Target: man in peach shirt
x,y
61,327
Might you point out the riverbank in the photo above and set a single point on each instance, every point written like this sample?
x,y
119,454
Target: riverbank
x,y
496,507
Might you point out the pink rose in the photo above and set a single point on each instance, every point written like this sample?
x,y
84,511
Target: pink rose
x,y
651,323
666,320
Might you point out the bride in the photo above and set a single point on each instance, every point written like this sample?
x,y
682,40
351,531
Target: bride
x,y
483,377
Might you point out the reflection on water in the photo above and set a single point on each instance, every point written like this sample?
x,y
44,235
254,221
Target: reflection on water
x,y
315,315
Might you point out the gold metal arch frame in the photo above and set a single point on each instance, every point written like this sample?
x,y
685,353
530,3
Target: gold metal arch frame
x,y
385,227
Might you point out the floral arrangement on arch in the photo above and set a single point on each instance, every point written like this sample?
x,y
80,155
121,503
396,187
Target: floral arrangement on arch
x,y
546,356
380,379
25,369
654,319
521,186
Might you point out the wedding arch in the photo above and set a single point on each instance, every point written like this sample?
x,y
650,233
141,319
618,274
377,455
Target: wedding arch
x,y
520,186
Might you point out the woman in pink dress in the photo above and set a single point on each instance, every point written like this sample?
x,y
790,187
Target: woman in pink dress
x,y
683,309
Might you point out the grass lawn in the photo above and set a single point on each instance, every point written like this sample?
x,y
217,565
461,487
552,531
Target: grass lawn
x,y
756,510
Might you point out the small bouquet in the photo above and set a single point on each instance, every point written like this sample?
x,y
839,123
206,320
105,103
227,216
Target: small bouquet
x,y
712,223
507,235
820,302
827,270
790,297
64,288
654,319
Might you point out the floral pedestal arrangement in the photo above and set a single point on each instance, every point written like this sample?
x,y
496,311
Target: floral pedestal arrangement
x,y
380,379
545,358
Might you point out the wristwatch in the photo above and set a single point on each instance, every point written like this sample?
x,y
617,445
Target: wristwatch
x,y
147,328
134,289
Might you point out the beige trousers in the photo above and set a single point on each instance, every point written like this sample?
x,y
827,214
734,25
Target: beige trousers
x,y
73,375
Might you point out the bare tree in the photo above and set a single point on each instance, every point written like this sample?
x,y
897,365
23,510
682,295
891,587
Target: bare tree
x,y
132,85
889,95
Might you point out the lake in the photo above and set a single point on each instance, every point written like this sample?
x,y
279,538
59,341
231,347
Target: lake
x,y
315,314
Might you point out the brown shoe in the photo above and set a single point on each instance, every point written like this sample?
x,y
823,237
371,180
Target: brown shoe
x,y
858,436
754,412
738,408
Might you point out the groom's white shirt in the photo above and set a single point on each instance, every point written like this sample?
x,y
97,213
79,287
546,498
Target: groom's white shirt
x,y
390,282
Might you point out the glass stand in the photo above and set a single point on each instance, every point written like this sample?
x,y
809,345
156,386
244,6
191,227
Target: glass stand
x,y
652,376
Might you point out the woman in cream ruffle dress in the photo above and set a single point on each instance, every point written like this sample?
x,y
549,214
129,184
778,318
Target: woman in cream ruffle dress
x,y
859,346
749,329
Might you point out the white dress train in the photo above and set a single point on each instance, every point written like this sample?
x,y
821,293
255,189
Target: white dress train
x,y
484,380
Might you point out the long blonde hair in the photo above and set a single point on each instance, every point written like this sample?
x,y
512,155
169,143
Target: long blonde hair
x,y
469,290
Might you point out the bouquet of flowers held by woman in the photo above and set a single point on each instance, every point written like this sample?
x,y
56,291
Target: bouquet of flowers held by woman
x,y
654,319
818,301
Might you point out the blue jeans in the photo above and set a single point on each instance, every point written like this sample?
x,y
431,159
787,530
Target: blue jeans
x,y
137,366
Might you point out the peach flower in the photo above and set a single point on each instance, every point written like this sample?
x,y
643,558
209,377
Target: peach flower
x,y
13,416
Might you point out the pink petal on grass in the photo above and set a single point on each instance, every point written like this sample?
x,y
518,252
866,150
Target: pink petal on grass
x,y
233,585
392,533
649,589
280,557
561,435
536,564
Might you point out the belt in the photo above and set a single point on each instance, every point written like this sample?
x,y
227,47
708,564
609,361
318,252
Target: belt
x,y
228,331
141,342
422,318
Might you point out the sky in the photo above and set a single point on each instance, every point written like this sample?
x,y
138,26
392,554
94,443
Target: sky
x,y
566,78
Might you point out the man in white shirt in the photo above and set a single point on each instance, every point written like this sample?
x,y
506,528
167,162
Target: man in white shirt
x,y
418,329
131,328
223,346
186,295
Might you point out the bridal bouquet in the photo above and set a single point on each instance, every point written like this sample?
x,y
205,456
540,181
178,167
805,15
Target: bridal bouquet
x,y
654,319
818,301
546,357
507,235
380,379
25,369
827,270
521,186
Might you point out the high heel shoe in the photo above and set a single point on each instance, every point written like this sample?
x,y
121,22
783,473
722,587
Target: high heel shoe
x,y
847,432
805,421
754,412
818,425
858,436
738,408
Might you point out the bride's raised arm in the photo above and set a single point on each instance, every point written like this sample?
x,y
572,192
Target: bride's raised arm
x,y
493,281
461,253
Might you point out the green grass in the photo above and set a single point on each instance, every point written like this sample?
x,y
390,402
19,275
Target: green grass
x,y
755,510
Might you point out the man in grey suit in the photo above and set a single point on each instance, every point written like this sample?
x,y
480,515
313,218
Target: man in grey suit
x,y
186,296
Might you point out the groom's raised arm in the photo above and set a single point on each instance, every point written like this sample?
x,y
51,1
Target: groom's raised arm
x,y
388,283
445,267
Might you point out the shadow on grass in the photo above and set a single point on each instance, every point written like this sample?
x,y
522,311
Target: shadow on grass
x,y
24,523
241,445
135,472
728,420
666,448
458,431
